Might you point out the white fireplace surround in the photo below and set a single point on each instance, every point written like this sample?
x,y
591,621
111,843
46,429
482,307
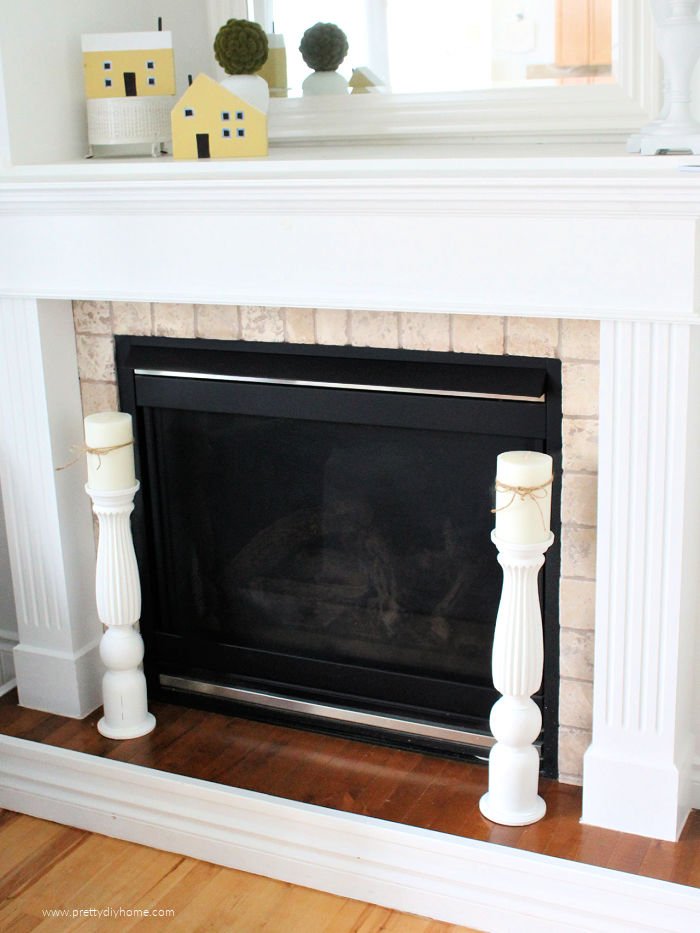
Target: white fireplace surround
x,y
614,239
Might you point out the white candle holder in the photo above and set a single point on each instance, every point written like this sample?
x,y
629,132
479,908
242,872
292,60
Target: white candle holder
x,y
518,659
677,35
118,593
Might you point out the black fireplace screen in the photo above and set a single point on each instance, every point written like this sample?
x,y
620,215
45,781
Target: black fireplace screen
x,y
327,539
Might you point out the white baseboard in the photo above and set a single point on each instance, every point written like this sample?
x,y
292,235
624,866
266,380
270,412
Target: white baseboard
x,y
448,878
695,799
5,688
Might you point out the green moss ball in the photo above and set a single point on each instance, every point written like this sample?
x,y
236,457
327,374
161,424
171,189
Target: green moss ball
x,y
324,46
241,47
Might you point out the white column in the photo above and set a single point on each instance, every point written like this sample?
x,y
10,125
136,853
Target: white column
x,y
49,525
118,596
518,657
637,771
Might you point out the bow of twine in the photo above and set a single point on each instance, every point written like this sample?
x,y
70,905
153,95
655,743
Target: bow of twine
x,y
98,452
536,493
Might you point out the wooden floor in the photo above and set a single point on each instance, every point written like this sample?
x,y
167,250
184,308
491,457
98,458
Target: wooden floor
x,y
400,786
46,867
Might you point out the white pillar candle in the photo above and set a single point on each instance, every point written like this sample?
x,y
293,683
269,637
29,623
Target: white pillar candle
x,y
113,470
522,517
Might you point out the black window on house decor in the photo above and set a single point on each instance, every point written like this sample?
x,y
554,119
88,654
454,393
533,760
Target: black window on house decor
x,y
240,115
225,115
189,112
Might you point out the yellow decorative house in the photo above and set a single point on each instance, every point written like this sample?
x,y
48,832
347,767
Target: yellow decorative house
x,y
128,64
365,81
211,122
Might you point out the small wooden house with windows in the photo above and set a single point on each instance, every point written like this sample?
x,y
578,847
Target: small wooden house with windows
x,y
211,122
128,64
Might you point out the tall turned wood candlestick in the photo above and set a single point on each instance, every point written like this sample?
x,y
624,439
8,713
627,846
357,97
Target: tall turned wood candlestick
x,y
118,593
523,512
518,658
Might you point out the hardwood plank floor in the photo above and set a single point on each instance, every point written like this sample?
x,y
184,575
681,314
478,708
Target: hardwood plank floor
x,y
338,773
47,867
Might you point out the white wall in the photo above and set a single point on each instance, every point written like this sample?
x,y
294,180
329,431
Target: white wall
x,y
41,62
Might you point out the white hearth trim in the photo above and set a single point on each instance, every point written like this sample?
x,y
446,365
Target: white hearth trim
x,y
404,868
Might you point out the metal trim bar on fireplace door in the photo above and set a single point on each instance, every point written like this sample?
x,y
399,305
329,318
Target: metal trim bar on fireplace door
x,y
320,710
451,393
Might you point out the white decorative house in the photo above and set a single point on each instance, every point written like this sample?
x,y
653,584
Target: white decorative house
x,y
444,240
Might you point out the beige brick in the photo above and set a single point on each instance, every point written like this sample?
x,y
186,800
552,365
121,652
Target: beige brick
x,y
575,703
265,324
132,317
425,331
98,396
577,604
300,325
580,340
92,317
580,439
172,320
331,326
578,552
217,322
580,389
576,654
532,336
572,747
95,357
579,499
374,329
473,333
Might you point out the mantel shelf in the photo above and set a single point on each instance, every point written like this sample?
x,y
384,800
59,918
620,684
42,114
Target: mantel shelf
x,y
380,181
591,161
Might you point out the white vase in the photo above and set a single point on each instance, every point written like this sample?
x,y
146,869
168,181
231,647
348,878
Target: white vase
x,y
324,82
252,89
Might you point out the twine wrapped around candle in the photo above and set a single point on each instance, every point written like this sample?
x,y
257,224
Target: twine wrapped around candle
x,y
523,493
98,452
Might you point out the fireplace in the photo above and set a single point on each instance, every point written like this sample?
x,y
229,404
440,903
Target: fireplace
x,y
313,531
467,239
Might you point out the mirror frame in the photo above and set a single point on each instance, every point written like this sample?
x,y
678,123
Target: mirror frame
x,y
584,114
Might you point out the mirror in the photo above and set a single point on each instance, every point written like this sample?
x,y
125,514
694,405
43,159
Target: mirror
x,y
455,45
516,72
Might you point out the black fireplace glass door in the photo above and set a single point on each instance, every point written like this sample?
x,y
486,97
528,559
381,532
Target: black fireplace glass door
x,y
287,541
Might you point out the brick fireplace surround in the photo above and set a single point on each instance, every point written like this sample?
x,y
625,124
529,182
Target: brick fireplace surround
x,y
510,255
574,342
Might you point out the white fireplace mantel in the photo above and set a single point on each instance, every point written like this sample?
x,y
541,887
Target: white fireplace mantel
x,y
612,238
523,236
